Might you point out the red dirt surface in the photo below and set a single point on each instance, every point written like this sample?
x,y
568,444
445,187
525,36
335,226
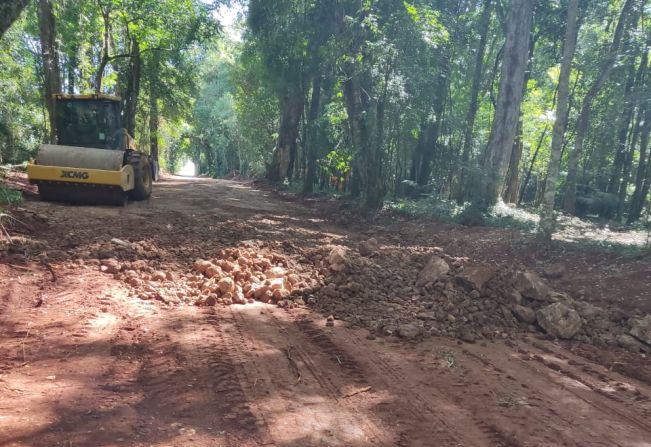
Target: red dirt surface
x,y
84,363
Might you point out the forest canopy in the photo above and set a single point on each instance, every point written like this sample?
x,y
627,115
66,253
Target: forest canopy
x,y
541,104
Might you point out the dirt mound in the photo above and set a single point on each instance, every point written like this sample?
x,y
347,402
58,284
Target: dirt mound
x,y
406,292
395,291
233,276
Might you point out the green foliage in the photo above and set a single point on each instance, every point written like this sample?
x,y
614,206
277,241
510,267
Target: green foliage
x,y
9,196
21,110
500,216
403,68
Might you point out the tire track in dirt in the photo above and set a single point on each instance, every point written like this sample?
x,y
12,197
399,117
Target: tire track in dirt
x,y
417,420
420,415
547,385
193,381
287,369
600,384
463,393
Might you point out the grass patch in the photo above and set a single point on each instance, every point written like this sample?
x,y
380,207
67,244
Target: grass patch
x,y
501,215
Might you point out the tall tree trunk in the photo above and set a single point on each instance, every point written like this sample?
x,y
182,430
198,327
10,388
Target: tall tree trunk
x,y
507,111
628,166
9,12
360,108
134,74
428,141
362,113
50,56
569,201
547,217
484,26
527,177
71,71
313,114
154,116
513,175
292,105
641,177
105,57
153,128
633,81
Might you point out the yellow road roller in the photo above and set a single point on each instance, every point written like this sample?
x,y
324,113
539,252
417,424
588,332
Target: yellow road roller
x,y
95,160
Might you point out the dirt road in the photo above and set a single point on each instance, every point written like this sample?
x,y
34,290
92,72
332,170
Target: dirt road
x,y
84,363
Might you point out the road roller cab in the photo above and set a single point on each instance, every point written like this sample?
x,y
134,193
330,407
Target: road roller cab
x,y
95,160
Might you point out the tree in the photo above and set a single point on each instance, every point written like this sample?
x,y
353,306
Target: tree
x,y
474,98
547,218
9,11
507,111
50,58
583,121
279,33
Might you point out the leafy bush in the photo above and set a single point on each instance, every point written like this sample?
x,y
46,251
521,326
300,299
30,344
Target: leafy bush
x,y
9,196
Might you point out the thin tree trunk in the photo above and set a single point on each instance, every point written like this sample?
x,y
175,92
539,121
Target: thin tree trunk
x,y
315,105
484,26
133,88
569,201
9,12
628,165
513,175
71,71
633,81
432,130
547,217
507,112
153,127
50,56
531,165
641,178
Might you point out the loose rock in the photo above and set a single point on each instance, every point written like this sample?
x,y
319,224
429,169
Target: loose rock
x,y
642,329
560,321
531,286
435,269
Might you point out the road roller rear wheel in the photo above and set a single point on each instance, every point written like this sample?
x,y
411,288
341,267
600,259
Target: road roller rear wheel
x,y
142,176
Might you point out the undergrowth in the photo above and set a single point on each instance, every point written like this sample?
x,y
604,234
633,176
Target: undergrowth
x,y
9,196
501,215
572,232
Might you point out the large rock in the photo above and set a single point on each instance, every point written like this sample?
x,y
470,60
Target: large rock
x,y
642,329
110,266
474,278
435,269
524,314
531,286
226,285
632,344
409,330
338,259
558,320
369,247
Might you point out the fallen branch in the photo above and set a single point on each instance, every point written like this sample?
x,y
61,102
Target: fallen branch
x,y
9,168
5,232
360,391
51,270
292,363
